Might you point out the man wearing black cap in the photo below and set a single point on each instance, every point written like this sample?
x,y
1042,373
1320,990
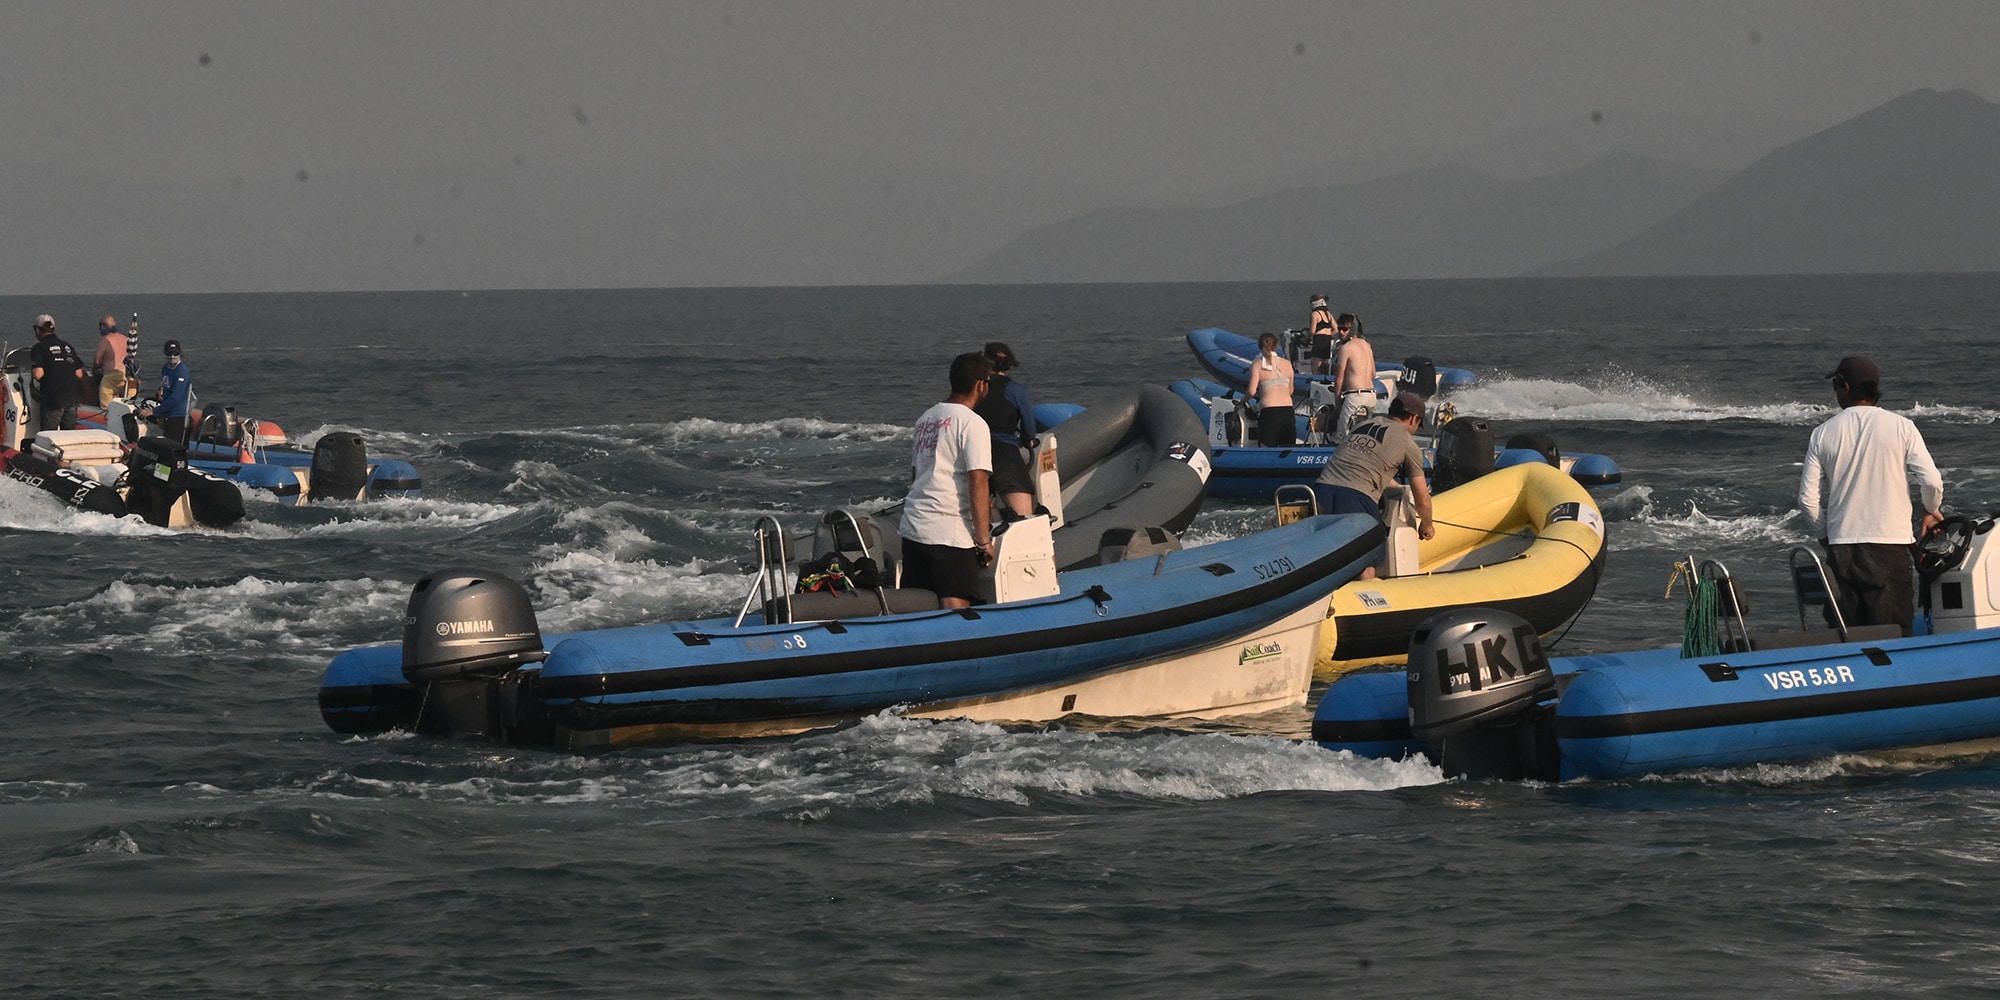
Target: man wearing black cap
x,y
58,377
1865,459
169,406
1369,459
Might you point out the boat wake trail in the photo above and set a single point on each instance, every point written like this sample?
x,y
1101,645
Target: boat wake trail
x,y
887,761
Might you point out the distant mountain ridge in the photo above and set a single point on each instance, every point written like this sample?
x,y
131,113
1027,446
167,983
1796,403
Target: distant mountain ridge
x,y
1911,186
1432,222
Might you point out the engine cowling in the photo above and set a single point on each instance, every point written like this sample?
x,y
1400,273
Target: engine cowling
x,y
467,622
1482,695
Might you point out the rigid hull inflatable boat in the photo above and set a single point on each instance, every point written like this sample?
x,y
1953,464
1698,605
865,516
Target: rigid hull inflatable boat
x,y
1227,358
1527,539
150,479
1483,699
1245,470
1152,631
249,452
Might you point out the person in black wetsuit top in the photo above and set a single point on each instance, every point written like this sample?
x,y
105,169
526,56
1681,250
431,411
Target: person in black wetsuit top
x,y
1010,415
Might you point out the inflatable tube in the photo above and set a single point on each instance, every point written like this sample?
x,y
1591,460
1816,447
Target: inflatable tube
x,y
392,477
1133,458
1527,540
69,486
1226,357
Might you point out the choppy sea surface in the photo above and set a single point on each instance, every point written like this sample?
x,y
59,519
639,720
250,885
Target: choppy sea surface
x,y
175,821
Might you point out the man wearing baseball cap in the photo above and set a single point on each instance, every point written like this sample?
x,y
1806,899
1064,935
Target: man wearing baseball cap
x,y
1863,461
58,376
1368,460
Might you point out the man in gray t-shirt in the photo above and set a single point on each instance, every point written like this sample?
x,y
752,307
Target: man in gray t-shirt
x,y
1370,457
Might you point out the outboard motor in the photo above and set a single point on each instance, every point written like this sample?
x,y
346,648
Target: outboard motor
x,y
157,476
1119,544
1423,377
465,630
1482,695
1538,442
340,467
1464,453
219,425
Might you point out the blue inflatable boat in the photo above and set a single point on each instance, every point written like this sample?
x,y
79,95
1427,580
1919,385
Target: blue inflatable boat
x,y
1227,357
1153,631
1245,471
1482,698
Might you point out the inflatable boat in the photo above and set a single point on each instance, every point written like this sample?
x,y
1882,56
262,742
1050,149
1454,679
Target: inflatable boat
x,y
256,454
1483,699
1132,458
1227,358
150,479
1151,631
1245,470
251,453
1527,540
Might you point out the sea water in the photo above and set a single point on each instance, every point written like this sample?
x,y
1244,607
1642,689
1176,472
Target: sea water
x,y
177,822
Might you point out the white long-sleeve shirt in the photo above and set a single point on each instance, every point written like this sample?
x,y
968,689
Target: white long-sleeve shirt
x,y
1867,458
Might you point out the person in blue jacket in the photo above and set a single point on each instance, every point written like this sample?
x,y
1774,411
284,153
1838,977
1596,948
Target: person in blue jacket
x,y
1010,416
169,406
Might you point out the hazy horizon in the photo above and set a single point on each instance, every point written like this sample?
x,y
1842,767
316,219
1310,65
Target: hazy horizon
x,y
1067,106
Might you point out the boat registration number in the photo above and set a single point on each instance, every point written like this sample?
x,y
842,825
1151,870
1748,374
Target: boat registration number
x,y
1786,680
1275,568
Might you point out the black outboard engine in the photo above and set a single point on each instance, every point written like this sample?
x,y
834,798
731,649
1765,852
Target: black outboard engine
x,y
1538,442
1464,453
218,425
156,476
1119,544
465,631
1482,695
340,467
1423,376
214,501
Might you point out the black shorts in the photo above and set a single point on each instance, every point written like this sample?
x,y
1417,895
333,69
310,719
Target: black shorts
x,y
1010,470
1322,346
945,570
1277,427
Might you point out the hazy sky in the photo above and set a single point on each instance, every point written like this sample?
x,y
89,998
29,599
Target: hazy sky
x,y
1121,93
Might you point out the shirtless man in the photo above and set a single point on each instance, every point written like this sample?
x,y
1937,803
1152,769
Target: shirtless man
x,y
1353,375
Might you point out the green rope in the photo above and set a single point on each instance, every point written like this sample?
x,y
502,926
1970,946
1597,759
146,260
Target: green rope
x,y
1699,635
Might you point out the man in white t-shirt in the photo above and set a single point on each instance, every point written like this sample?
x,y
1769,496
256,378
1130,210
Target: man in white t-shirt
x,y
947,516
1868,458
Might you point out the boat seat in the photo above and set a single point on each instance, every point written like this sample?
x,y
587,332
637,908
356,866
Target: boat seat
x,y
824,605
1816,637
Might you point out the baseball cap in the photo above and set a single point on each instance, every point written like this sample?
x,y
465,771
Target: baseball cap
x,y
1855,369
45,322
172,348
1406,404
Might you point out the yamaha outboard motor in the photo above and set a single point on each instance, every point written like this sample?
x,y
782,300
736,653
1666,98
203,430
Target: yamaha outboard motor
x,y
340,466
465,631
1423,376
1482,695
1464,453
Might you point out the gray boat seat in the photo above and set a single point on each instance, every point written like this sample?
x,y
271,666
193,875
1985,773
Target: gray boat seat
x,y
1816,637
